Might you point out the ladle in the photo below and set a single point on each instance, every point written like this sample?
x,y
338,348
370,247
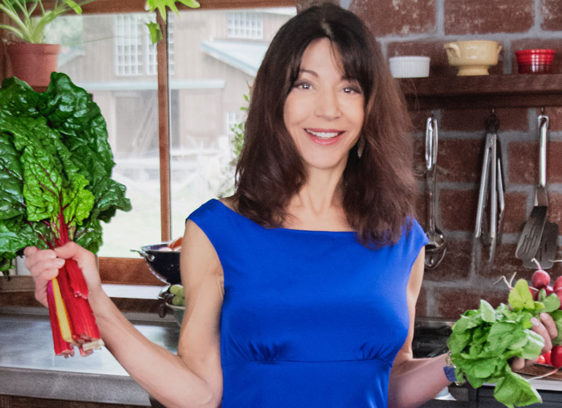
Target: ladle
x,y
436,248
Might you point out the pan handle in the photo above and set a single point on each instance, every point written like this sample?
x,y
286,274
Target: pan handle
x,y
144,254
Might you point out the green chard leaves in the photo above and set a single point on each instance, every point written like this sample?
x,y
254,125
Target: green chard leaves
x,y
55,168
484,340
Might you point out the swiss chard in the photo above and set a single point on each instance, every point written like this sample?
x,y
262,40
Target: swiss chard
x,y
56,186
484,340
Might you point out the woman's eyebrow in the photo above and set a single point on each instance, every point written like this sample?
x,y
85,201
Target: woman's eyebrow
x,y
308,71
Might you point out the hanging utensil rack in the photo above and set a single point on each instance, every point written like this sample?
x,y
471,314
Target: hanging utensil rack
x,y
491,91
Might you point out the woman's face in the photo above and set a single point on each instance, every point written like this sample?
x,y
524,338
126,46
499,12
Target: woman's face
x,y
324,111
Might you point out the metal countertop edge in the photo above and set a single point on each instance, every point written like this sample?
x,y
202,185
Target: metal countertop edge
x,y
64,385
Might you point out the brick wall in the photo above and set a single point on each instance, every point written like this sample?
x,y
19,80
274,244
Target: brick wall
x,y
410,27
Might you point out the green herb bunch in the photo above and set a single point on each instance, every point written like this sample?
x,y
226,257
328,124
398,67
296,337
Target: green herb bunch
x,y
55,168
484,340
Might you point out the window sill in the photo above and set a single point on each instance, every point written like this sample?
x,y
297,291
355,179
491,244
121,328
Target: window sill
x,y
18,291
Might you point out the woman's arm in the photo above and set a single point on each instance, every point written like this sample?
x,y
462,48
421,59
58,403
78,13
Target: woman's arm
x,y
193,378
415,381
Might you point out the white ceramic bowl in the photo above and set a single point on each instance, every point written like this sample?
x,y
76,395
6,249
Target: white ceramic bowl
x,y
410,66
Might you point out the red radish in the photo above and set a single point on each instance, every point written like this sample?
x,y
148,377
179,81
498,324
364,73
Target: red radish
x,y
558,283
549,290
547,359
541,360
540,279
556,356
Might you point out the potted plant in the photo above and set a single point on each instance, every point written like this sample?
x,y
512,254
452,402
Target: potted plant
x,y
31,59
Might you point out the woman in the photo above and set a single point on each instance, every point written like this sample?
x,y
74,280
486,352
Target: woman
x,y
301,288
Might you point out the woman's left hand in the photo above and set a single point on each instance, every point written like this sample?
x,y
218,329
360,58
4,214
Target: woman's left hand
x,y
545,326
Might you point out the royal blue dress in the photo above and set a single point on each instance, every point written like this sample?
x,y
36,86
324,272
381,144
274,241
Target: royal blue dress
x,y
310,319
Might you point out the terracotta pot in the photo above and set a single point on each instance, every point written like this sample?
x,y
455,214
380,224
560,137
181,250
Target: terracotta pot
x,y
33,63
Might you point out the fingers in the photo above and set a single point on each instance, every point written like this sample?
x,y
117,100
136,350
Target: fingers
x,y
549,324
539,328
44,266
85,259
517,364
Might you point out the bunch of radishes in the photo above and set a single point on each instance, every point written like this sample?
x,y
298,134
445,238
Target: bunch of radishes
x,y
541,280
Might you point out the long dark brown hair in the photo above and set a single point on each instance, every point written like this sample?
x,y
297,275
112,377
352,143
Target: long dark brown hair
x,y
379,188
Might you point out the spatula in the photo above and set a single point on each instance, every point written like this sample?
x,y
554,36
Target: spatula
x,y
530,239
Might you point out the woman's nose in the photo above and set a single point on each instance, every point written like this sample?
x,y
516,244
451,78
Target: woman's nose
x,y
328,105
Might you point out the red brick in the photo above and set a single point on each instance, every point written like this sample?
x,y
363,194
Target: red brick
x,y
452,302
531,43
516,212
488,16
419,118
458,209
523,162
455,265
555,115
505,264
475,119
460,160
551,11
397,17
555,207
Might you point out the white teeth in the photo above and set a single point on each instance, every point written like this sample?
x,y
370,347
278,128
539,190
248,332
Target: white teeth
x,y
324,135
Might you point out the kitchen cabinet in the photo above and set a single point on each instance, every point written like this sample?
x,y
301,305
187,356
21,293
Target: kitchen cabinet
x,y
491,91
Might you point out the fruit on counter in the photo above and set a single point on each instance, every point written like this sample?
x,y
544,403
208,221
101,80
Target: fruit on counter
x,y
178,293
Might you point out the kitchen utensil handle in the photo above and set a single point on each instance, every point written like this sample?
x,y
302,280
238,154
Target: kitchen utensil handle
x,y
430,143
493,188
543,122
483,188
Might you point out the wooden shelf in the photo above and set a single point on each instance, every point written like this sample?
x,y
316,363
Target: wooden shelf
x,y
493,91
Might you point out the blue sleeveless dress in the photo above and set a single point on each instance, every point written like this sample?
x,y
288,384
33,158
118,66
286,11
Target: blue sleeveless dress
x,y
310,318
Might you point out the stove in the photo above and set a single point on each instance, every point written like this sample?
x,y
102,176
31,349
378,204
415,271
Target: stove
x,y
430,337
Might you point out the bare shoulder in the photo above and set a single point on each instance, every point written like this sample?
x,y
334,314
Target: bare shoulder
x,y
198,257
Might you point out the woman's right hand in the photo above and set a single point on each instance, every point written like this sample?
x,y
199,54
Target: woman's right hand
x,y
44,265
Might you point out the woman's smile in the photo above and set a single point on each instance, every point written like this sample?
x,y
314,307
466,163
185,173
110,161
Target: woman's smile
x,y
325,136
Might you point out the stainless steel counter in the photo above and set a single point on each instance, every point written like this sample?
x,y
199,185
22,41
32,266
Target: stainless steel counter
x,y
28,366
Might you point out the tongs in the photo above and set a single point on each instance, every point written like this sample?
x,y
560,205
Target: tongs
x,y
492,189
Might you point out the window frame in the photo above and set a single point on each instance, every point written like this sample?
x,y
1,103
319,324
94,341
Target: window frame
x,y
135,270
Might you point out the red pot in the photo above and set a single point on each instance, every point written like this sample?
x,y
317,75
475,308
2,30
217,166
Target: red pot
x,y
33,63
535,61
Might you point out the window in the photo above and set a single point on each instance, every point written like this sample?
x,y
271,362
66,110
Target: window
x,y
209,74
245,24
134,54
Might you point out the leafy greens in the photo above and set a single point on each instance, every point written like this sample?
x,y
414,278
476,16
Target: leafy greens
x,y
55,168
484,340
